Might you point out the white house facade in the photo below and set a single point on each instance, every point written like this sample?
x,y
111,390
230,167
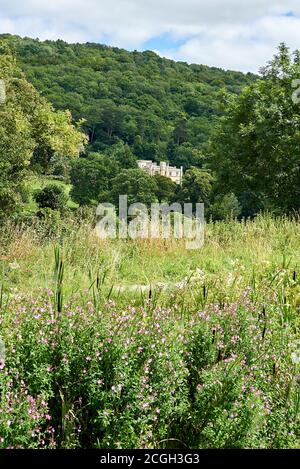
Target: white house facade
x,y
164,169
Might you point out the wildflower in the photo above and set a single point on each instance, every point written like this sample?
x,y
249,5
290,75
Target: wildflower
x,y
14,265
235,339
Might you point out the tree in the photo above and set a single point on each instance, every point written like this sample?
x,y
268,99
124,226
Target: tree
x,y
180,132
29,127
136,184
51,196
16,142
16,147
166,188
224,207
122,155
196,186
185,155
55,135
60,167
256,148
91,178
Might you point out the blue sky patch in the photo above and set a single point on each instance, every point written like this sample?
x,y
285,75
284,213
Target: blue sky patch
x,y
164,42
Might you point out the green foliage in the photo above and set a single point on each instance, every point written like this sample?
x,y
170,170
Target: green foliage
x,y
138,98
91,178
196,186
166,188
138,185
52,196
256,149
60,167
122,155
16,142
224,207
30,132
185,155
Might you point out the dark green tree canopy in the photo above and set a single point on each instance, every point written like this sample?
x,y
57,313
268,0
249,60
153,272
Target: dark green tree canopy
x,y
256,150
196,186
138,98
136,184
52,196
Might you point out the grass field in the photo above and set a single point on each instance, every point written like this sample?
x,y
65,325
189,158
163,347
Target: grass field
x,y
205,357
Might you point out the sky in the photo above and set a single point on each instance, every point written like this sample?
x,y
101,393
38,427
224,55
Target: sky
x,y
232,34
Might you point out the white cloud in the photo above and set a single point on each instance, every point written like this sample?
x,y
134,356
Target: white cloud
x,y
244,47
228,33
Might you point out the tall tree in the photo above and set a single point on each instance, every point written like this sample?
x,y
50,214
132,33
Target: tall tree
x,y
256,150
196,186
29,127
136,184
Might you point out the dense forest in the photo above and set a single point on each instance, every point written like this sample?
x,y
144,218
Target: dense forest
x,y
162,109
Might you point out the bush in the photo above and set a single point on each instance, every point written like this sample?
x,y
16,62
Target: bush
x,y
225,207
52,196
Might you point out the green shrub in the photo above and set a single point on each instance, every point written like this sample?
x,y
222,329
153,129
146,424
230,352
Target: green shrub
x,y
52,196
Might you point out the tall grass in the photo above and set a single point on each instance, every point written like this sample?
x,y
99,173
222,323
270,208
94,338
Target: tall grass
x,y
233,249
145,344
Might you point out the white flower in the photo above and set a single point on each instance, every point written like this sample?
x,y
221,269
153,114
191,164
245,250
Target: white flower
x,y
14,265
2,351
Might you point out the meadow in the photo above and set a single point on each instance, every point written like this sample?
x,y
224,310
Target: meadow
x,y
144,344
